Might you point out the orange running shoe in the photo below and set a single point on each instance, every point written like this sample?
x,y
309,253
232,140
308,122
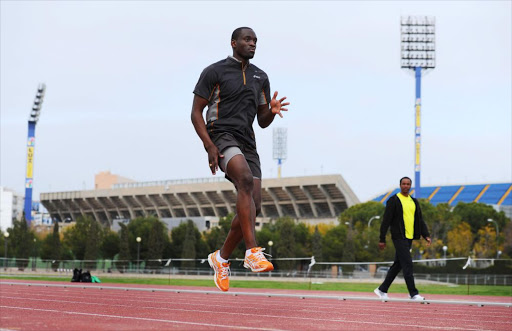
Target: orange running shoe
x,y
256,261
221,276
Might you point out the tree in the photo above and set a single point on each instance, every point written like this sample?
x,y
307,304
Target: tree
x,y
361,213
285,247
156,243
178,235
507,234
477,214
110,245
51,248
189,246
333,243
460,240
124,255
92,245
76,236
485,247
22,241
316,245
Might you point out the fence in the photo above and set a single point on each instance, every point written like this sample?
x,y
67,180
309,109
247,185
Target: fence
x,y
302,268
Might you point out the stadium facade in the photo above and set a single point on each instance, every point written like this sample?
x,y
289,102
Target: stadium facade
x,y
310,199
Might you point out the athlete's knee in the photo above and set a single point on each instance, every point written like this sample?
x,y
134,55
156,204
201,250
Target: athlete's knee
x,y
245,182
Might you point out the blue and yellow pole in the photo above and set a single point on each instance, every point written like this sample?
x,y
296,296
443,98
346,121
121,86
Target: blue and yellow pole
x,y
29,179
30,171
417,136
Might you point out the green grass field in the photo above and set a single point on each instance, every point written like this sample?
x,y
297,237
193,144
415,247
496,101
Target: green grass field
x,y
328,286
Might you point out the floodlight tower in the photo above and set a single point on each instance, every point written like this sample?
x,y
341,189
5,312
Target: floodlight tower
x,y
279,150
418,47
32,121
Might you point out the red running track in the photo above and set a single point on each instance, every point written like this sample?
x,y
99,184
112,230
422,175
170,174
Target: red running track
x,y
25,307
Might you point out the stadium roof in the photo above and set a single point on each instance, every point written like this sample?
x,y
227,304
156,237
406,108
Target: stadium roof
x,y
498,194
299,197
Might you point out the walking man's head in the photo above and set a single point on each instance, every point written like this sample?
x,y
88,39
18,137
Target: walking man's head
x,y
243,42
405,185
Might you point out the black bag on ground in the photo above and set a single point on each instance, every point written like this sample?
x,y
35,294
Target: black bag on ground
x,y
86,277
77,275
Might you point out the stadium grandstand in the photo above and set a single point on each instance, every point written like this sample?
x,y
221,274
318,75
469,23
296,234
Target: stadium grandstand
x,y
498,195
310,199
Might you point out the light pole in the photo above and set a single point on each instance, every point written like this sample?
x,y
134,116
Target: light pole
x,y
418,50
139,239
34,258
32,121
279,148
376,217
6,237
490,220
270,244
445,248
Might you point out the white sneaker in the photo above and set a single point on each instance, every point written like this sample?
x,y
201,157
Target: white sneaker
x,y
380,294
417,297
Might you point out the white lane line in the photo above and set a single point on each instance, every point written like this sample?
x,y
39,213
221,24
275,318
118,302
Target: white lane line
x,y
138,318
257,294
468,316
316,319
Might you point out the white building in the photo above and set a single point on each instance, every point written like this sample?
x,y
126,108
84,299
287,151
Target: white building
x,y
11,206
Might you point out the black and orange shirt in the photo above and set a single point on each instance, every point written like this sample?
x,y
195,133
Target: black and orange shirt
x,y
234,93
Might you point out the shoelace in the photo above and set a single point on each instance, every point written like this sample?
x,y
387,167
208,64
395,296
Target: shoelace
x,y
224,272
260,255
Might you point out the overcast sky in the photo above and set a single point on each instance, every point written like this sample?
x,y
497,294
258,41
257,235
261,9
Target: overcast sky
x,y
120,77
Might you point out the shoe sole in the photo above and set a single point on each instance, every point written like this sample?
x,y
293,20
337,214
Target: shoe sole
x,y
210,262
376,292
270,268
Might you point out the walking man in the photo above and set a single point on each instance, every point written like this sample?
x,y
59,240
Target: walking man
x,y
236,91
403,215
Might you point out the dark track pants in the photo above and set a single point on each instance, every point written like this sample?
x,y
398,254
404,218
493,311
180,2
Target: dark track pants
x,y
403,261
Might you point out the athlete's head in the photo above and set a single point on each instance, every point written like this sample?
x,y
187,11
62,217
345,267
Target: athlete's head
x,y
405,185
243,42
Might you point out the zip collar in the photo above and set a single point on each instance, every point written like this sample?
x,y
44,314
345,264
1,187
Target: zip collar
x,y
240,62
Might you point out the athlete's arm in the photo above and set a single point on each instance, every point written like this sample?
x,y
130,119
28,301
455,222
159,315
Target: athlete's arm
x,y
200,126
267,112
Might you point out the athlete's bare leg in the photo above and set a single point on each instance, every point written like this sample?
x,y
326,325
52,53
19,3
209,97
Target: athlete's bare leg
x,y
235,234
244,222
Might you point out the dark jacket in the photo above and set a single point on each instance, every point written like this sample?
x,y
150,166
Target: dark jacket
x,y
394,218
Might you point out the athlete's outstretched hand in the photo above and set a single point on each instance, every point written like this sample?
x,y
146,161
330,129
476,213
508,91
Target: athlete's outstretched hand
x,y
276,106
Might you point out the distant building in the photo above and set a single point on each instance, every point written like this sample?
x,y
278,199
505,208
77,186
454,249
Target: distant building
x,y
106,180
11,207
309,199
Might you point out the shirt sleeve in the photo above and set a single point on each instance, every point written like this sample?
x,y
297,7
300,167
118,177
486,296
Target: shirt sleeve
x,y
206,83
265,93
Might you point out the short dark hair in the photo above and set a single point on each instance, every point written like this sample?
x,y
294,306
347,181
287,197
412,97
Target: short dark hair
x,y
237,32
405,178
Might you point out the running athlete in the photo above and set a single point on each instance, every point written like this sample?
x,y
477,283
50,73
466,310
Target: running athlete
x,y
236,91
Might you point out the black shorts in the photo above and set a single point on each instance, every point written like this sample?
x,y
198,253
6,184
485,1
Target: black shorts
x,y
226,140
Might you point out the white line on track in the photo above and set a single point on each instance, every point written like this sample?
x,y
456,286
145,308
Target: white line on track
x,y
468,317
136,318
300,296
279,317
360,307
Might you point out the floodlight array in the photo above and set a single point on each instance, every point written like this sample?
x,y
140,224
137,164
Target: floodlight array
x,y
279,147
38,102
418,40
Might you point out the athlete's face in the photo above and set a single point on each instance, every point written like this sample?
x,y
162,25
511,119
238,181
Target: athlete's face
x,y
405,186
245,46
